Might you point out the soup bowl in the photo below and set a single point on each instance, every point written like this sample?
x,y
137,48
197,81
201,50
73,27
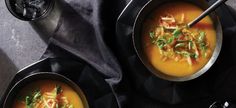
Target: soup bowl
x,y
145,11
13,94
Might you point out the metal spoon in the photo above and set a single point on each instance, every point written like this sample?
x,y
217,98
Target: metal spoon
x,y
206,12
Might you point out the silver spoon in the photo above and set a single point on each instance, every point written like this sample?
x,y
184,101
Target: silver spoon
x,y
206,12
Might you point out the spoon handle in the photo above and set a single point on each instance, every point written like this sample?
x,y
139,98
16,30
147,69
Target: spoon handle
x,y
206,12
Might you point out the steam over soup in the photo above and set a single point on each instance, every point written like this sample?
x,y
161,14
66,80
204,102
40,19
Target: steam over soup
x,y
47,94
171,46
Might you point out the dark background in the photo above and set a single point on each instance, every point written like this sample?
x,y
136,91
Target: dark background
x,y
20,45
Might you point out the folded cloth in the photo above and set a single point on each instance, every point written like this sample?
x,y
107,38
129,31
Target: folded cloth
x,y
98,91
85,48
80,33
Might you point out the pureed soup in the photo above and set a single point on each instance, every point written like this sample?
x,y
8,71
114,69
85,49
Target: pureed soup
x,y
47,94
172,47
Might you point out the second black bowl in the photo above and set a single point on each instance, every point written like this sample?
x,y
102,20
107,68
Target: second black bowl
x,y
11,96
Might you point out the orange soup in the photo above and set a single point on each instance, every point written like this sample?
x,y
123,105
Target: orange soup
x,y
172,47
47,94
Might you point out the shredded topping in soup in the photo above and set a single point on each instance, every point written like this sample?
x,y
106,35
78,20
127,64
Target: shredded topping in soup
x,y
178,42
53,99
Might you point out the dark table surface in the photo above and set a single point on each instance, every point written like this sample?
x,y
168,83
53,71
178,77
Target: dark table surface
x,y
20,45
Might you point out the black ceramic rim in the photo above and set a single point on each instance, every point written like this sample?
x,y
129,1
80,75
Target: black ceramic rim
x,y
40,76
45,13
136,38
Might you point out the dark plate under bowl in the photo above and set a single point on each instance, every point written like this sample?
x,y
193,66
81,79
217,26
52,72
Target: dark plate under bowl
x,y
41,76
137,38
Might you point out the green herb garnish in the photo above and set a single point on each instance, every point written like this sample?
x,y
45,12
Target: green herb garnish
x,y
32,98
58,89
176,33
178,41
161,42
201,37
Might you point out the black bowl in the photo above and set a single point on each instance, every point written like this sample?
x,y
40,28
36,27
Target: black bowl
x,y
41,76
137,39
25,10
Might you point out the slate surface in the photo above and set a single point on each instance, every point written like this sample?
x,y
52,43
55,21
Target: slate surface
x,y
20,45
